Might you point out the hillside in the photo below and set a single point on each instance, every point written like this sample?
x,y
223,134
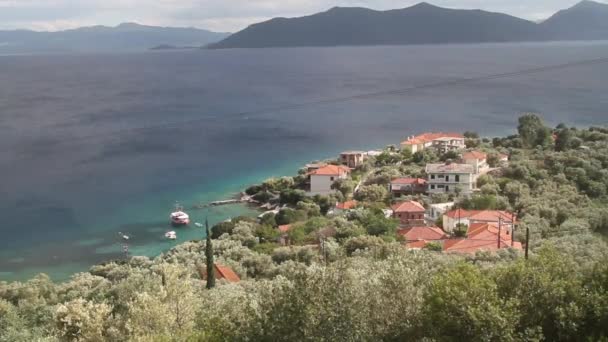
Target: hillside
x,y
587,20
420,24
124,37
351,275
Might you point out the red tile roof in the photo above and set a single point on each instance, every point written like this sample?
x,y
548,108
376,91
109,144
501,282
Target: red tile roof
x,y
422,233
408,207
223,272
482,215
428,137
346,205
331,170
477,155
410,181
284,228
481,236
416,244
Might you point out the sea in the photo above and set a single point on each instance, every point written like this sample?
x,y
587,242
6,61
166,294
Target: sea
x,y
95,146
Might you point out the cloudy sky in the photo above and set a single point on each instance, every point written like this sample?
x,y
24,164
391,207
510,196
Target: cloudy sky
x,y
221,15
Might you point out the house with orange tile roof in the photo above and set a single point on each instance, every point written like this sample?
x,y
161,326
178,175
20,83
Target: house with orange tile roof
x,y
482,237
222,272
284,237
443,142
505,219
344,206
477,159
324,177
422,233
409,213
407,186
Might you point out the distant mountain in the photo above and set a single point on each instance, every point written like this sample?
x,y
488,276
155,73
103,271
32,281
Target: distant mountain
x,y
587,20
420,24
124,37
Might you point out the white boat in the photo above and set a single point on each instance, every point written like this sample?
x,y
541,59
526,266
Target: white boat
x,y
198,224
171,235
179,217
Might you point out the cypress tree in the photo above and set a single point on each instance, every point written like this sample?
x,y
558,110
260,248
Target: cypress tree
x,y
209,258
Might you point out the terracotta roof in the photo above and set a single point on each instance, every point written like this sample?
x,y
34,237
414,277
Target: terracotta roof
x,y
346,205
412,181
223,272
449,168
422,233
408,207
330,170
477,155
284,228
416,244
428,137
482,236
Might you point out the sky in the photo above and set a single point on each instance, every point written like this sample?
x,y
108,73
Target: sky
x,y
222,15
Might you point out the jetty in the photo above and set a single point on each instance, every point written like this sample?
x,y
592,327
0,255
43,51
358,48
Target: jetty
x,y
242,199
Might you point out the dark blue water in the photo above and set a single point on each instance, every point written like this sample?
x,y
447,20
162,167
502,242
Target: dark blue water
x,y
91,145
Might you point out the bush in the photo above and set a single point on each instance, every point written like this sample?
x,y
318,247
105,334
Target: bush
x,y
288,216
372,193
362,243
222,228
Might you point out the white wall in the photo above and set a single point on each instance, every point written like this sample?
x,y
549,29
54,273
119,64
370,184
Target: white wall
x,y
321,184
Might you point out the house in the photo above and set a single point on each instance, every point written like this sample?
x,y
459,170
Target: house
x,y
314,166
284,237
442,141
482,237
221,272
469,217
450,177
435,211
324,177
407,186
422,233
409,213
352,159
345,206
477,159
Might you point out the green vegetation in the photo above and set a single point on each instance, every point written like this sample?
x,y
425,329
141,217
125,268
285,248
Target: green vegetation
x,y
346,277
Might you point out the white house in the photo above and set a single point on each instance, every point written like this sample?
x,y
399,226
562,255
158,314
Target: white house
x,y
450,177
435,211
442,141
478,160
324,177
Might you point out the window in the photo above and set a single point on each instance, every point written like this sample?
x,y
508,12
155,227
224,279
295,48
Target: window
x,y
458,178
432,187
447,178
332,179
432,176
441,186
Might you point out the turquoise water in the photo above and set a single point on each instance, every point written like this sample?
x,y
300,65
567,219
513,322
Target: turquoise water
x,y
94,145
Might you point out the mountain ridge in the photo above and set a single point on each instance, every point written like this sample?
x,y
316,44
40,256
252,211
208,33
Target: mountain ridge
x,y
126,36
423,23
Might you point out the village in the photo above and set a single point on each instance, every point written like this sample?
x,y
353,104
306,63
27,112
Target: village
x,y
423,204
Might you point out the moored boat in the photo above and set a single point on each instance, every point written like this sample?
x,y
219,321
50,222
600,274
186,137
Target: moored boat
x,y
179,217
171,235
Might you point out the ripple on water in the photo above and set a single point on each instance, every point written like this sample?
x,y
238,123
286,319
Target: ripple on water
x,y
89,242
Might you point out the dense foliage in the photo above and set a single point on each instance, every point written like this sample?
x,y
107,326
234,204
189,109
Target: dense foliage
x,y
344,277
